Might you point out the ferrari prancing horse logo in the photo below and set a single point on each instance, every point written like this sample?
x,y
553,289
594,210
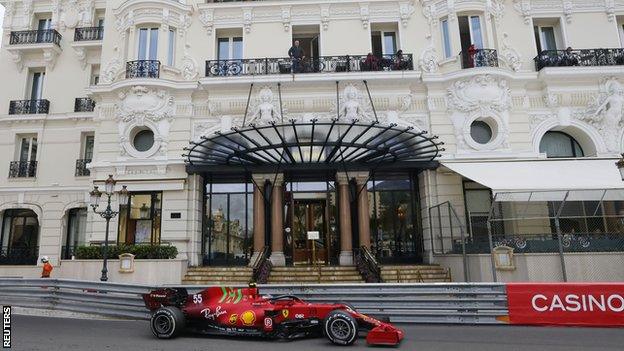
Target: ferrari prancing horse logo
x,y
285,313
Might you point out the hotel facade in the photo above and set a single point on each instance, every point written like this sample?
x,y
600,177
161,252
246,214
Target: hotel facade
x,y
393,134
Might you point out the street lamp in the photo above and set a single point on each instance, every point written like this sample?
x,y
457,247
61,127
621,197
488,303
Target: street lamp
x,y
107,213
620,166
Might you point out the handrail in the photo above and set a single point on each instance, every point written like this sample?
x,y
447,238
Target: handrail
x,y
368,265
262,267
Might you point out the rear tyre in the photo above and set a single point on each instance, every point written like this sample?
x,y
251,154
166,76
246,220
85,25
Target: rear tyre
x,y
167,322
340,328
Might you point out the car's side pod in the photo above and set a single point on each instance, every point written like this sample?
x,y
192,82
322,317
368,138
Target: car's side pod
x,y
165,297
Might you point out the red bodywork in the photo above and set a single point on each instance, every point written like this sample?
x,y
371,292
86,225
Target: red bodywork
x,y
236,309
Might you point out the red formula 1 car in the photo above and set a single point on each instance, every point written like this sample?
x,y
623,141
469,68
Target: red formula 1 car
x,y
244,312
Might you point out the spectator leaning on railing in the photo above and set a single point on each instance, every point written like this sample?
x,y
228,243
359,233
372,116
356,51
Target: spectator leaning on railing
x,y
297,54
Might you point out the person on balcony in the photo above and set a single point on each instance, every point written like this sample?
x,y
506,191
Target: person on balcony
x,y
297,55
472,52
371,63
399,60
47,267
569,58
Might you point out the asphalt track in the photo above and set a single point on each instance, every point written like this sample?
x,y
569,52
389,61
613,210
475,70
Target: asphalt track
x,y
50,334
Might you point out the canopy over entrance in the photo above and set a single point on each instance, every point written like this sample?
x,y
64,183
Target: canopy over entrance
x,y
313,145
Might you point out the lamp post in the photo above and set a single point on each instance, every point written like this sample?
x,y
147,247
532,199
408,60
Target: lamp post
x,y
107,213
620,166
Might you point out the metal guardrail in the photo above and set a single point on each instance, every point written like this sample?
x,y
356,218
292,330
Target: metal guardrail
x,y
447,303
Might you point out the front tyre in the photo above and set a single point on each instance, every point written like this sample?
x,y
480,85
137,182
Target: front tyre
x,y
340,328
167,322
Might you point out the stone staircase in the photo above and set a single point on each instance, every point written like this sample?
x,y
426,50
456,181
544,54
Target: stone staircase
x,y
415,274
218,275
315,275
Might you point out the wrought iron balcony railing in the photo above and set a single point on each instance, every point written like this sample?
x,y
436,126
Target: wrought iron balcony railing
x,y
143,69
89,33
479,58
84,105
582,57
35,37
81,167
23,169
25,107
19,255
322,64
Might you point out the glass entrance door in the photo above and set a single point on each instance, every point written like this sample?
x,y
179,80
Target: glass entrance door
x,y
309,215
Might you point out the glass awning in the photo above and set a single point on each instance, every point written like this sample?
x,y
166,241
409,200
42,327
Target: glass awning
x,y
313,142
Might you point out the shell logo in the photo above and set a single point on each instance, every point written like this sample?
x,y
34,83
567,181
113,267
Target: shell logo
x,y
248,317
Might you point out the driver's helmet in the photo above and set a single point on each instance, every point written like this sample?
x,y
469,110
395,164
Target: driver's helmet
x,y
44,259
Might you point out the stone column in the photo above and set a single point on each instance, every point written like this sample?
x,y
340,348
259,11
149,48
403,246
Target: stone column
x,y
363,209
277,222
344,214
258,221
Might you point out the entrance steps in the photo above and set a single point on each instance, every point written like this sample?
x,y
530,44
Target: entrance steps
x,y
218,275
315,275
415,274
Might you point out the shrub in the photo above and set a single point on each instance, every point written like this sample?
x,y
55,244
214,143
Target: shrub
x,y
139,251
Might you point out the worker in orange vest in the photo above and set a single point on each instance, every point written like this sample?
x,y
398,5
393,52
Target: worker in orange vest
x,y
47,267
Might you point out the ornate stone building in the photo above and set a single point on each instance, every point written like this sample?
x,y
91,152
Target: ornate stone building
x,y
244,125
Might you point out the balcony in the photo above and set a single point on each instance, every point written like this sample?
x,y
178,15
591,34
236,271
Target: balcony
x,y
322,64
143,69
35,37
81,167
19,255
84,105
27,107
23,169
88,33
479,58
582,57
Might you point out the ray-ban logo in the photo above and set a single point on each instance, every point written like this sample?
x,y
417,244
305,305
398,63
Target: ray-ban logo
x,y
6,327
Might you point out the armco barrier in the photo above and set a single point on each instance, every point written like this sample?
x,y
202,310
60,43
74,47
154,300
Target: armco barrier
x,y
454,303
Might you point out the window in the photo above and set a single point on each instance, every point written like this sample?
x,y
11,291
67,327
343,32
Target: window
x,y
148,44
28,149
87,146
559,144
100,22
95,75
140,218
446,38
384,39
478,201
44,24
230,48
36,85
143,140
20,236
171,48
547,34
481,132
470,32
76,231
229,233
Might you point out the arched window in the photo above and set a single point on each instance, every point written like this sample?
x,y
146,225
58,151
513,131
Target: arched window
x,y
559,144
20,236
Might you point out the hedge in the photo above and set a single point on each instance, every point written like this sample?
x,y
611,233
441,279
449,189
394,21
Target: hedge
x,y
139,251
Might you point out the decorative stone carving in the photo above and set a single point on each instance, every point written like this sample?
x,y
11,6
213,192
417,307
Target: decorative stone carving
x,y
354,105
481,98
247,19
428,61
142,107
567,10
325,16
27,13
605,113
112,68
206,17
286,18
523,7
551,100
266,108
610,9
450,5
496,8
49,57
406,9
81,54
189,66
364,14
510,55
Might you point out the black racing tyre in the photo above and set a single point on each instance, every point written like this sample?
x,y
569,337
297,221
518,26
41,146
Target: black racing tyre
x,y
340,327
167,322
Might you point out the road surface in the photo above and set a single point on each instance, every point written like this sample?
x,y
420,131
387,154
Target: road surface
x,y
50,334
